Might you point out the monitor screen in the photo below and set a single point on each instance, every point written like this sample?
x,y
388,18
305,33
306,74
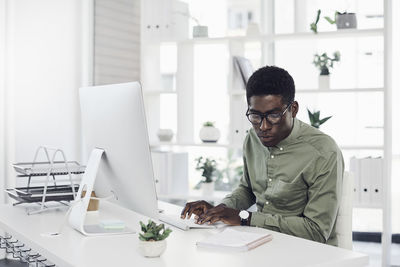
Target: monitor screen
x,y
113,119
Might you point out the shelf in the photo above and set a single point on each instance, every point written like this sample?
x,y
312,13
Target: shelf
x,y
195,145
362,147
320,91
158,92
350,90
352,33
347,33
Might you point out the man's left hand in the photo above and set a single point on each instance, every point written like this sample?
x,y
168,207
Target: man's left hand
x,y
220,213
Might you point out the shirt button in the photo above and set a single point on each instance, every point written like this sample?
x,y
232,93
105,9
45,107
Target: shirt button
x,y
267,202
270,179
272,156
281,148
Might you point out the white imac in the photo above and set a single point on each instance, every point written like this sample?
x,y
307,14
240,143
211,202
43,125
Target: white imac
x,y
113,119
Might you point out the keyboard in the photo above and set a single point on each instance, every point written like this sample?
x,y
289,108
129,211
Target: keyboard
x,y
186,224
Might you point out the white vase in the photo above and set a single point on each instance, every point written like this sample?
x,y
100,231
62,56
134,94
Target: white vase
x,y
207,189
209,134
200,31
165,135
324,82
152,249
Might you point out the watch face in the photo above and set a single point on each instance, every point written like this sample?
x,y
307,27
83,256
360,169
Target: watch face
x,y
244,214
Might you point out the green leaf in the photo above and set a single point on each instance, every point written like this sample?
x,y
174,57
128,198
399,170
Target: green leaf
x,y
324,120
330,20
143,226
316,115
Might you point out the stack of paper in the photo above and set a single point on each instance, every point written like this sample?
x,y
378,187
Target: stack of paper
x,y
235,240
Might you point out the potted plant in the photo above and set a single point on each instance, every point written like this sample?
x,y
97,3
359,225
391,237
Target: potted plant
x,y
208,133
343,20
313,26
209,170
323,62
198,30
315,121
152,242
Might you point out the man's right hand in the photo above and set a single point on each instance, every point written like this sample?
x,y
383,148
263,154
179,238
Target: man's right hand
x,y
197,207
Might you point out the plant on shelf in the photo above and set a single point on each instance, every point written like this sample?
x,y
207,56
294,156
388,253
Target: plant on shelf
x,y
208,167
323,62
209,170
228,177
209,133
313,26
315,121
209,124
343,20
153,239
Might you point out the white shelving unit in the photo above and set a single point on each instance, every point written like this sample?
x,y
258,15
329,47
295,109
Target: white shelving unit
x,y
238,123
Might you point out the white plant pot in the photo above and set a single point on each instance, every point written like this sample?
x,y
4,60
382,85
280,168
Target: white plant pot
x,y
324,82
207,189
209,134
200,31
346,21
165,135
152,249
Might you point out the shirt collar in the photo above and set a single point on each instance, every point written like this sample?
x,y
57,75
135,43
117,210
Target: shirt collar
x,y
292,136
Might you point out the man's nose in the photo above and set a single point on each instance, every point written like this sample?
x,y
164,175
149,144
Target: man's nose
x,y
265,125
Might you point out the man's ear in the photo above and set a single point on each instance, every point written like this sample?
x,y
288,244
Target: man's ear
x,y
294,108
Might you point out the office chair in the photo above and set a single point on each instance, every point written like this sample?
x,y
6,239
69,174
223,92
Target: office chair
x,y
344,223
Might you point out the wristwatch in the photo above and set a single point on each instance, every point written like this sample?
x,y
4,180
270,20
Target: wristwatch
x,y
244,217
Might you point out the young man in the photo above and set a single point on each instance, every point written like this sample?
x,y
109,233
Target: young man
x,y
292,171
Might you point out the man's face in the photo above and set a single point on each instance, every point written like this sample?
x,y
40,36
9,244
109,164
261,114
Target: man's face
x,y
268,133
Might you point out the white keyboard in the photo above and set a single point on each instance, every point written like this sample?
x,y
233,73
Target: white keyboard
x,y
186,224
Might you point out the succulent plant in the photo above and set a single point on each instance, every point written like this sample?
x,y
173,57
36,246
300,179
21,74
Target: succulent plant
x,y
314,118
209,124
313,26
153,231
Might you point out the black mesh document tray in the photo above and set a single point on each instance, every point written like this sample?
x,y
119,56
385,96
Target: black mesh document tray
x,y
35,194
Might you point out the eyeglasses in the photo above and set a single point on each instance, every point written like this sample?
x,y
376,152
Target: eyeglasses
x,y
256,118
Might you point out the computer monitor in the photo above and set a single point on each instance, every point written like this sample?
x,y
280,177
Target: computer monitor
x,y
113,119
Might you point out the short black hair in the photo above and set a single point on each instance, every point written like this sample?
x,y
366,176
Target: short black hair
x,y
271,80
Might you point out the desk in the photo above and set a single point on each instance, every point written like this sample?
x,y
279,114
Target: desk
x,y
73,249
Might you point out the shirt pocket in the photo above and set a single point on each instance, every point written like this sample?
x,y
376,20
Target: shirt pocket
x,y
290,196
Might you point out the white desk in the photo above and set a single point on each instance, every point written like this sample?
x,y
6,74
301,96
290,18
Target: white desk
x,y
73,249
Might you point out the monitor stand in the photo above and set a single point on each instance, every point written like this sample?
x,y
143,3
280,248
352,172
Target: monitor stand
x,y
79,207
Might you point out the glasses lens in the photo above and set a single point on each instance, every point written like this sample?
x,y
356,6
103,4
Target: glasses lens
x,y
254,118
274,118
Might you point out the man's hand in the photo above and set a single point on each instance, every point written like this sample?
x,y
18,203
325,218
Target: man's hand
x,y
196,207
220,213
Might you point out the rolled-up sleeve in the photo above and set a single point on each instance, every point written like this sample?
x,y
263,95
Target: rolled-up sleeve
x,y
242,197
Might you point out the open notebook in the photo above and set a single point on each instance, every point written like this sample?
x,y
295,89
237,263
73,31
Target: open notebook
x,y
186,224
233,239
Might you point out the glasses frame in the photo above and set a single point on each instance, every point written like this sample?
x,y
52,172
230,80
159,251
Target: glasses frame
x,y
265,115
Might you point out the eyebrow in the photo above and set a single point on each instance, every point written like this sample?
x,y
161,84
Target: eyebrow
x,y
269,111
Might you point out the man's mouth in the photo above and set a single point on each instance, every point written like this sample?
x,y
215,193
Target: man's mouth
x,y
265,137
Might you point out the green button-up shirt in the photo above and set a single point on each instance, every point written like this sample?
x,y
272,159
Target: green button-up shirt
x,y
296,185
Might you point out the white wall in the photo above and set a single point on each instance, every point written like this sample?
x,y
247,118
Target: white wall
x,y
2,95
42,76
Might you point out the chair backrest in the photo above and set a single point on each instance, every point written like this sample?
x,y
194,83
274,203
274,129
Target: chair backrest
x,y
344,223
